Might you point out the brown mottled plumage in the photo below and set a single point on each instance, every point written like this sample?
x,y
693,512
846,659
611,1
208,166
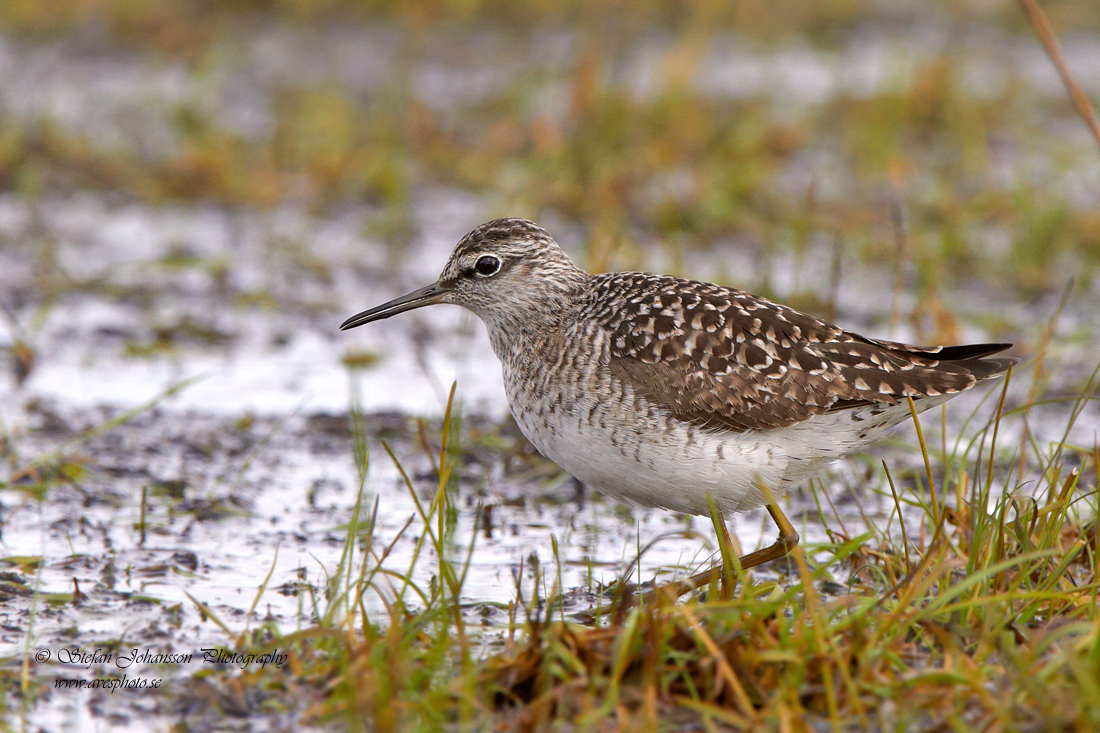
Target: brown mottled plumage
x,y
721,356
676,393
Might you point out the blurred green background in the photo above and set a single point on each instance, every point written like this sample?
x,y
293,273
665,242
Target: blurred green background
x,y
206,189
931,132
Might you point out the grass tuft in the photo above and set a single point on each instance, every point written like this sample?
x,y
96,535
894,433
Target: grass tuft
x,y
985,617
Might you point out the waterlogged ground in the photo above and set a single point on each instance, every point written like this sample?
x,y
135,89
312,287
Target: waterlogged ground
x,y
249,473
179,459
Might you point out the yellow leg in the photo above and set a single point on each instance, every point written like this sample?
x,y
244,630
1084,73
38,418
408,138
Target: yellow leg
x,y
787,541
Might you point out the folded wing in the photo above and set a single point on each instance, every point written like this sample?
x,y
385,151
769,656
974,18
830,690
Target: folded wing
x,y
728,359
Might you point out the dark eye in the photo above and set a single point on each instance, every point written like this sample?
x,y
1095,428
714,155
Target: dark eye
x,y
487,265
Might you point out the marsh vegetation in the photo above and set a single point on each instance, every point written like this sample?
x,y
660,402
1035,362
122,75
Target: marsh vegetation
x,y
194,195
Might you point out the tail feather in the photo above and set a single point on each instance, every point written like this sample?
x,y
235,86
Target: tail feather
x,y
986,368
972,358
959,352
888,372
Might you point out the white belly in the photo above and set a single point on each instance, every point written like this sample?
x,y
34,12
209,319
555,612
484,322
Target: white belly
x,y
633,450
673,465
672,469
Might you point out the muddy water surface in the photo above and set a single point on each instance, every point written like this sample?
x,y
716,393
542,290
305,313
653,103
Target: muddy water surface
x,y
247,466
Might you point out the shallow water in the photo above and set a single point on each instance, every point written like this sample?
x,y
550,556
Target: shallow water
x,y
249,469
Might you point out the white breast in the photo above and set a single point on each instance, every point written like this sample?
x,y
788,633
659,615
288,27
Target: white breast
x,y
673,465
626,447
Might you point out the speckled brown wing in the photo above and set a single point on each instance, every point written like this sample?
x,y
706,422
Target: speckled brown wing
x,y
729,359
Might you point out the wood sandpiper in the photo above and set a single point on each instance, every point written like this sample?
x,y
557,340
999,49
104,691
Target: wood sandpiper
x,y
679,394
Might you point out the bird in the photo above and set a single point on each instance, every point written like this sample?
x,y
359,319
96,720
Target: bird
x,y
679,394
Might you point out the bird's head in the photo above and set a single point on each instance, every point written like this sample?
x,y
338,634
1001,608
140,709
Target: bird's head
x,y
507,271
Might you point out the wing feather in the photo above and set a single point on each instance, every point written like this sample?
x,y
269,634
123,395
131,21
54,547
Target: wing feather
x,y
726,358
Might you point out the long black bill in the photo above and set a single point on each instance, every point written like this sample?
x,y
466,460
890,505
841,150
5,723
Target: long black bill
x,y
429,295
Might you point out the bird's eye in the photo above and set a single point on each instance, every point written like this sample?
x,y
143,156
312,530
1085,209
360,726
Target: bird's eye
x,y
487,265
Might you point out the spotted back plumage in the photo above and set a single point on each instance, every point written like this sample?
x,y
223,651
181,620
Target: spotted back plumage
x,y
673,393
728,359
